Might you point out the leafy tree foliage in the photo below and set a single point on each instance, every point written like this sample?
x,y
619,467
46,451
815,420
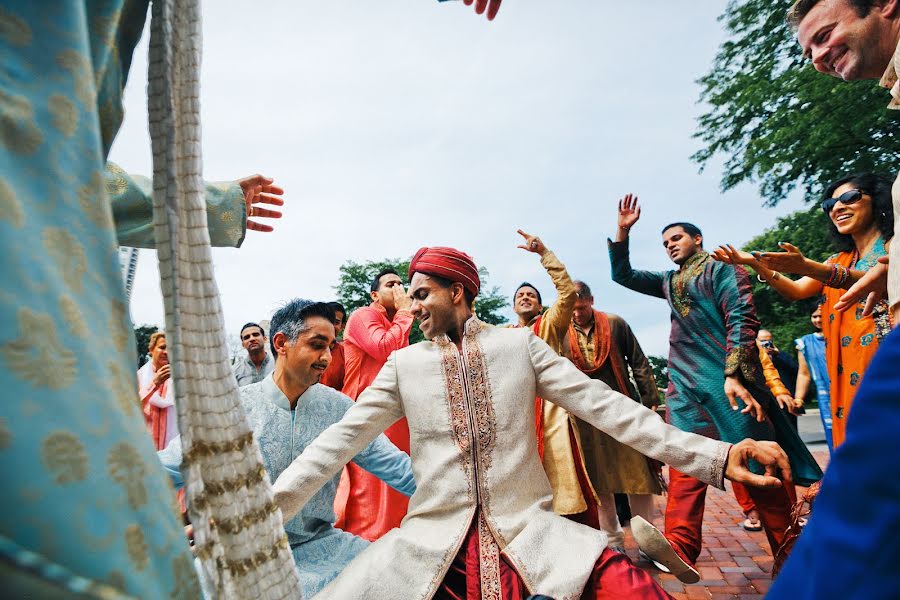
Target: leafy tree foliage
x,y
778,121
808,230
142,335
356,278
660,367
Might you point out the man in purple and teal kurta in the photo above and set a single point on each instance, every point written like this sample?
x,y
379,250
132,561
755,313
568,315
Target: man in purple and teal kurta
x,y
713,361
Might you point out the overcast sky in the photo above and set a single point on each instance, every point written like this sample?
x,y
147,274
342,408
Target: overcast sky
x,y
402,123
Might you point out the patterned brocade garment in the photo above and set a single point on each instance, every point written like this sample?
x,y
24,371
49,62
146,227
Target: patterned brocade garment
x,y
83,488
713,335
851,341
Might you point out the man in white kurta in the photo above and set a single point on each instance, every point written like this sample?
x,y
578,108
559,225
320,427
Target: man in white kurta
x,y
468,395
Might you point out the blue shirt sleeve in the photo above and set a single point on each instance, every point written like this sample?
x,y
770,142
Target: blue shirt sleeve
x,y
388,463
170,458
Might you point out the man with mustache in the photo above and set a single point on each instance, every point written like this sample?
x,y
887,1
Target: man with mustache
x,y
481,519
286,411
257,363
853,40
713,362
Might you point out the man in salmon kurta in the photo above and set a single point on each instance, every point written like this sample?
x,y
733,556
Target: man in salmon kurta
x,y
481,522
373,332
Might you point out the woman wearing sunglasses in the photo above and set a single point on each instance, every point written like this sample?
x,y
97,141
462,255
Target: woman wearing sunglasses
x,y
861,225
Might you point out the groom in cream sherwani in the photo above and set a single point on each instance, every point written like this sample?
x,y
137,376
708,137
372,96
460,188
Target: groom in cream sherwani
x,y
482,513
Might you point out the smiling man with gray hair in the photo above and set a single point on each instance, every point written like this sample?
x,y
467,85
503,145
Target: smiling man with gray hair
x,y
289,409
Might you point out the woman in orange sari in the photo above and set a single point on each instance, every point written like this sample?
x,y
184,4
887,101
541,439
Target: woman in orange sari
x,y
862,223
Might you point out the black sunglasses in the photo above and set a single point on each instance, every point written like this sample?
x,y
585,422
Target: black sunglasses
x,y
847,198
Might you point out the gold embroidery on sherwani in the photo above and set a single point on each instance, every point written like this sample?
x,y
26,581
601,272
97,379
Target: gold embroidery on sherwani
x,y
11,209
5,434
694,266
64,457
14,30
73,317
64,113
93,202
484,418
82,76
68,254
37,355
123,387
127,469
116,183
489,558
19,132
136,546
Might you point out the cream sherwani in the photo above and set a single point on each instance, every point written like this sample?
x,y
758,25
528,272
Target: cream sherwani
x,y
471,422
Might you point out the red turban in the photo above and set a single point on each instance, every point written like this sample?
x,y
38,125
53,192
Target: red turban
x,y
448,263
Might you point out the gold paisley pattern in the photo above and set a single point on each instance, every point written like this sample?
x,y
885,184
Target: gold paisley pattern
x,y
18,130
117,325
227,217
5,434
11,210
37,355
127,469
13,30
136,546
64,113
68,254
124,388
116,180
82,75
73,317
64,457
93,203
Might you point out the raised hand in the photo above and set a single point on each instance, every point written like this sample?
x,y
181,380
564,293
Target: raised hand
x,y
790,261
532,243
768,454
162,375
734,389
258,189
872,286
401,300
629,212
492,7
730,255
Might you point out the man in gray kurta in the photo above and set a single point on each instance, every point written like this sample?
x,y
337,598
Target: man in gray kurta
x,y
286,417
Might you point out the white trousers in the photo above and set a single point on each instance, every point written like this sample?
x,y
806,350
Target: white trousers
x,y
641,505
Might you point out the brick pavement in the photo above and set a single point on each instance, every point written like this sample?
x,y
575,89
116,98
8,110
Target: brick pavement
x,y
734,563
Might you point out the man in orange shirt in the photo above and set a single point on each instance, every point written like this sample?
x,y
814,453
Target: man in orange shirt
x,y
372,334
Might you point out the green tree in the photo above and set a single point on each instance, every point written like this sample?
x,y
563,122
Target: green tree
x,y
780,123
142,335
787,320
660,367
355,281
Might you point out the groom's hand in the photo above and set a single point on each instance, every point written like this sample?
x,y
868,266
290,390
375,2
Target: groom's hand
x,y
768,454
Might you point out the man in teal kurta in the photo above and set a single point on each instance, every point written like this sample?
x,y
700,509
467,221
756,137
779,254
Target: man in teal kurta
x,y
713,363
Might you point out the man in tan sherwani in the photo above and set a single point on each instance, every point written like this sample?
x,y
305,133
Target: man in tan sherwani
x,y
482,514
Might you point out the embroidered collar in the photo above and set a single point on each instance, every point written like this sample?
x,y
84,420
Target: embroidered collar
x,y
473,327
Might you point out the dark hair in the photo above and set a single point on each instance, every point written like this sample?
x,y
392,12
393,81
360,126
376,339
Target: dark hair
x,y
337,307
582,290
376,281
446,283
879,188
290,319
801,8
526,284
257,325
689,228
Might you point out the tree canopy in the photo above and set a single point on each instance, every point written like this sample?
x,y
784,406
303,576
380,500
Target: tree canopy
x,y
777,121
808,231
356,278
142,335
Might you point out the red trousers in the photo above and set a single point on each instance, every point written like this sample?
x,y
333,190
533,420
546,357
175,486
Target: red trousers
x,y
687,500
742,495
613,577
